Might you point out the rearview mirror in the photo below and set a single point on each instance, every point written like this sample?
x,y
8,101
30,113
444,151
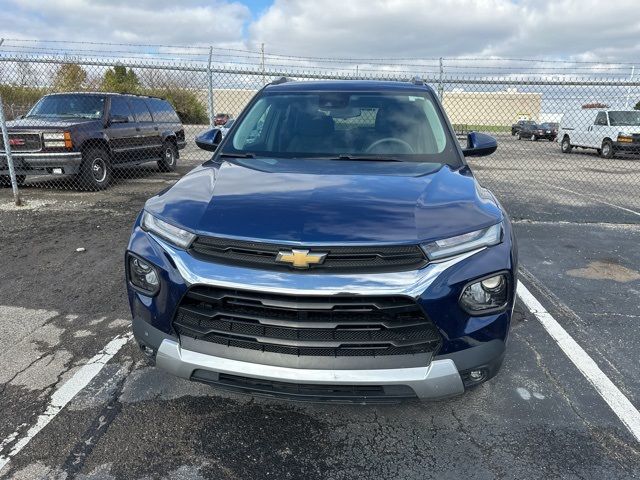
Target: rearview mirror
x,y
209,140
479,145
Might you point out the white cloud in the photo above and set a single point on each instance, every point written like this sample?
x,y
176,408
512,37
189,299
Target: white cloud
x,y
577,29
180,23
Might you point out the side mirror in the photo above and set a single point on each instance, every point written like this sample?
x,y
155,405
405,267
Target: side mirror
x,y
118,119
209,140
479,145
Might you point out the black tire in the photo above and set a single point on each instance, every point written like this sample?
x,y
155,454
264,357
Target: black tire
x,y
518,136
551,139
565,145
5,180
607,150
533,138
169,158
96,170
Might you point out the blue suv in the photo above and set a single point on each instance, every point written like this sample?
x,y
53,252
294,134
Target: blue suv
x,y
336,247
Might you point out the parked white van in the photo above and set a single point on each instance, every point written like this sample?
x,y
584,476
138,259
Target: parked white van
x,y
607,131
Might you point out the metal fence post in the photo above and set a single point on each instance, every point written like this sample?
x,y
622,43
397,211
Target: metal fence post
x,y
440,86
633,71
210,89
262,61
7,150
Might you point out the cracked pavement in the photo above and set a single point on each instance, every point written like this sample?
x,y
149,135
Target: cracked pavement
x,y
538,419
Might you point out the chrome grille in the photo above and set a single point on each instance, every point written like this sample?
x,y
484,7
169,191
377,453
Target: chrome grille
x,y
23,142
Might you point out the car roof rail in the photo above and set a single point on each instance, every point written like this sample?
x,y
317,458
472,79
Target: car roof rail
x,y
417,80
281,80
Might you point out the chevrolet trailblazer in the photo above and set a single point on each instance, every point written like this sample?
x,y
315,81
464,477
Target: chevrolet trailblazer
x,y
337,247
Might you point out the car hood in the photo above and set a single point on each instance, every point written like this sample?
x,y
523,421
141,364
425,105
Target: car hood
x,y
311,202
48,123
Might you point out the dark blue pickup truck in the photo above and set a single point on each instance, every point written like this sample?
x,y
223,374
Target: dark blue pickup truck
x,y
336,247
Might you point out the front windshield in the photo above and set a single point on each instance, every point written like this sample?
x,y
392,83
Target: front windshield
x,y
624,118
339,124
70,106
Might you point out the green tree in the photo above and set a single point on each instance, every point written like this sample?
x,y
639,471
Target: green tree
x,y
186,103
119,79
69,77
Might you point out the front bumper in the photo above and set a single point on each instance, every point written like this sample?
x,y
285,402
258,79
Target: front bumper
x,y
42,163
627,147
443,377
469,342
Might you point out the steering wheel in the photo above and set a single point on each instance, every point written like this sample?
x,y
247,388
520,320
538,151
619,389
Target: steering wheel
x,y
390,140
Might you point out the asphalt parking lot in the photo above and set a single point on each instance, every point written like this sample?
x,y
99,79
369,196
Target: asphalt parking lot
x,y
80,401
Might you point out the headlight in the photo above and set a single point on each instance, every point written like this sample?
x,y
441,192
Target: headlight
x,y
57,140
490,293
143,275
451,246
177,236
53,136
624,137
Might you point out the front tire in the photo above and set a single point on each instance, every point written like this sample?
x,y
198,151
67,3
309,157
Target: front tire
x,y
566,146
518,136
607,150
169,158
534,138
96,170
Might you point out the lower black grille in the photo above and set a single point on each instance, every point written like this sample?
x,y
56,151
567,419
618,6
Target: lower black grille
x,y
339,258
23,142
335,326
315,392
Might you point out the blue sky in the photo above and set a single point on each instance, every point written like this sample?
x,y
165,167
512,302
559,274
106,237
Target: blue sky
x,y
257,6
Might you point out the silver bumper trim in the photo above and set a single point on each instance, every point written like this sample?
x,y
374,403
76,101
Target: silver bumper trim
x,y
437,380
32,154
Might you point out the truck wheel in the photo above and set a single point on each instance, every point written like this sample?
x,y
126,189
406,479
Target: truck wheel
x,y
607,150
169,157
566,146
534,138
95,171
518,136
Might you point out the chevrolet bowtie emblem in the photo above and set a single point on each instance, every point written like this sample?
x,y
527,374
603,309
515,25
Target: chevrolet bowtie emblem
x,y
300,258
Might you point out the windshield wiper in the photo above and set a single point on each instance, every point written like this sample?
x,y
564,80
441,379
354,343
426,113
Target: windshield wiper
x,y
237,155
366,158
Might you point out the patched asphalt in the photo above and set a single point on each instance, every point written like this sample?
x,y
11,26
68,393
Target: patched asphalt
x,y
538,419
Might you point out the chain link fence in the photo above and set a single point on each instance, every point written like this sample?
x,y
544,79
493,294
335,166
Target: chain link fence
x,y
567,145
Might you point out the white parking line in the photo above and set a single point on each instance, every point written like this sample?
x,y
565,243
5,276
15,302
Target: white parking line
x,y
591,197
618,402
63,395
